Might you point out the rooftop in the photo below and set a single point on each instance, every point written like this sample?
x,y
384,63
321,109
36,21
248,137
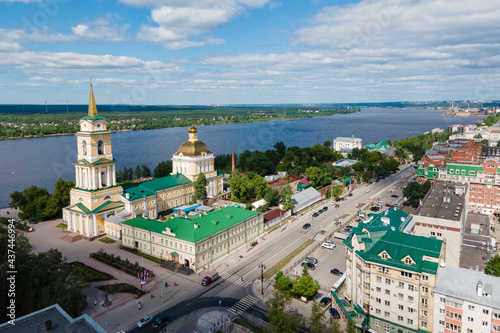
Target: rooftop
x,y
344,138
462,284
61,322
476,243
443,203
149,188
194,229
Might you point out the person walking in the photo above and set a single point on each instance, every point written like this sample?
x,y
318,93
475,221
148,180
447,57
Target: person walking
x,y
139,306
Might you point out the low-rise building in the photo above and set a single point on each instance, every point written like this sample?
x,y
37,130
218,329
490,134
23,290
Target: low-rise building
x,y
346,143
477,243
466,301
194,241
305,198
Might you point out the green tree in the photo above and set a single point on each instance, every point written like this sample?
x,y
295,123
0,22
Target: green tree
x,y
351,328
334,326
200,187
279,321
280,148
327,144
163,169
271,195
316,319
286,197
337,190
315,176
146,171
138,172
493,266
305,286
414,192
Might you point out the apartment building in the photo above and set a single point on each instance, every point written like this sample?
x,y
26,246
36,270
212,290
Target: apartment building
x,y
390,274
466,301
346,143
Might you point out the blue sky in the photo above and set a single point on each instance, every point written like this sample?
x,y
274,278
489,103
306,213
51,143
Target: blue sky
x,y
248,51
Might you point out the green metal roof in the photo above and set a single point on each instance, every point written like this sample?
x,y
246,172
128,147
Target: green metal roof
x,y
398,245
348,180
83,208
184,228
92,117
149,188
99,161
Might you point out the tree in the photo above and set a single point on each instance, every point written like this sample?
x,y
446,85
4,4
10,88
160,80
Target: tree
x,y
336,191
138,172
327,143
334,326
316,319
283,282
279,321
286,196
163,169
351,328
271,195
280,148
493,266
146,171
315,176
414,192
200,187
305,286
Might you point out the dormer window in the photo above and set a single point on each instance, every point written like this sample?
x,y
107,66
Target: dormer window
x,y
384,255
408,261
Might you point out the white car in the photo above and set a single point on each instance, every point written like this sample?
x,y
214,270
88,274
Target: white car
x,y
329,246
367,191
144,321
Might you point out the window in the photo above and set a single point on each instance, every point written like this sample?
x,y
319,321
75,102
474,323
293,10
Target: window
x,y
424,324
410,299
424,313
442,300
425,278
441,322
400,318
378,300
100,147
463,172
84,147
401,285
377,311
485,323
378,289
425,290
379,279
471,307
410,321
411,287
386,327
470,319
485,311
384,255
453,327
469,330
408,261
387,292
406,274
387,314
424,302
387,303
388,281
377,323
411,310
400,296
401,307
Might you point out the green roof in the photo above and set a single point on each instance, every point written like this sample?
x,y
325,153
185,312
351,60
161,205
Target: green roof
x,y
99,161
348,180
398,245
208,224
83,208
92,117
149,188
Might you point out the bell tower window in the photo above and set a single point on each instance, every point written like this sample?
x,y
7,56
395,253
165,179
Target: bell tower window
x,y
84,147
100,147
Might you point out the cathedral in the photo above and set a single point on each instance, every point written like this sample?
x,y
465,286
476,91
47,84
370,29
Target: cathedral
x,y
98,205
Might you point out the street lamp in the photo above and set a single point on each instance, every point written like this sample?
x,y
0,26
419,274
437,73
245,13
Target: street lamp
x,y
262,267
162,288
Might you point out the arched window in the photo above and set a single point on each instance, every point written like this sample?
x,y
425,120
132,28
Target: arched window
x,y
84,147
100,147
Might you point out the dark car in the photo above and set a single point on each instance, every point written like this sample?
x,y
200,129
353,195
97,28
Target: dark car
x,y
325,301
349,195
336,271
315,214
394,196
325,209
334,313
160,322
306,226
375,209
309,265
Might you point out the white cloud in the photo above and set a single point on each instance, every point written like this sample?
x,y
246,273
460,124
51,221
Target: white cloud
x,y
178,22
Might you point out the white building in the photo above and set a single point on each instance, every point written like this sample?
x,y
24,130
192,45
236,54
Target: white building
x,y
466,301
344,143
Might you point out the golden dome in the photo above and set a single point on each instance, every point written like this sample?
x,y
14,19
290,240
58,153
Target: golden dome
x,y
193,148
192,129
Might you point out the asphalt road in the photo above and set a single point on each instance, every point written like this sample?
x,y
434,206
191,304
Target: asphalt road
x,y
184,314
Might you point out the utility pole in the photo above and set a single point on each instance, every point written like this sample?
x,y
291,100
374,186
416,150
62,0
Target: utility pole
x,y
262,267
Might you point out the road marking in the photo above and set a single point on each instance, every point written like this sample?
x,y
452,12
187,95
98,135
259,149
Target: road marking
x,y
234,279
243,304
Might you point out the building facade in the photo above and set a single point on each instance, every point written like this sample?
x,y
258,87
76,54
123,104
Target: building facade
x,y
194,241
345,143
98,204
466,301
390,274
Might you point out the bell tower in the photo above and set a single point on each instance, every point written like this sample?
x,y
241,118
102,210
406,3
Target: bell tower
x,y
95,168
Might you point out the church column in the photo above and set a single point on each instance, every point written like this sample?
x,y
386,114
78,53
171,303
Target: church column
x,y
87,226
76,177
80,223
94,223
108,176
96,181
99,179
114,174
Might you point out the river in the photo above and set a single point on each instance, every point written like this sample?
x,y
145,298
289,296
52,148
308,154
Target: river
x,y
41,161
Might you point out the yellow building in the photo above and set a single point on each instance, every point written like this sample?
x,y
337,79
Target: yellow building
x,y
98,205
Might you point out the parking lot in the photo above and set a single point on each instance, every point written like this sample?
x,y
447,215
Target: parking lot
x,y
327,260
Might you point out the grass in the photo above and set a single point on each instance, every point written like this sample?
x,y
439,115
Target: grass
x,y
121,288
106,240
244,323
344,216
130,269
62,226
88,274
283,262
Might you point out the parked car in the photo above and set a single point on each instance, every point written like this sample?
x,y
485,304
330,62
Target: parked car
x,y
144,321
315,214
367,191
325,209
330,242
309,265
306,226
312,260
336,271
328,246
395,196
349,195
325,301
334,313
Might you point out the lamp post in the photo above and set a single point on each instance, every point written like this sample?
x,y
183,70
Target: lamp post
x,y
262,267
162,288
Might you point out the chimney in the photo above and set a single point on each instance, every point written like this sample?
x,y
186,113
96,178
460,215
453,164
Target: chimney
x,y
127,195
479,288
232,159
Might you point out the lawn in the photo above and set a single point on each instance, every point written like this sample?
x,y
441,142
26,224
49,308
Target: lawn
x,y
62,226
244,323
121,288
107,240
88,274
283,262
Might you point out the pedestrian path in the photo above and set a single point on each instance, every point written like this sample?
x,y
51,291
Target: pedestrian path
x,y
235,279
243,305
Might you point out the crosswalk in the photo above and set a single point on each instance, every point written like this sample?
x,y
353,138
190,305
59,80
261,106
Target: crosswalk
x,y
243,304
235,279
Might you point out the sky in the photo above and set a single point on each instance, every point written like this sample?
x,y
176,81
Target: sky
x,y
188,52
